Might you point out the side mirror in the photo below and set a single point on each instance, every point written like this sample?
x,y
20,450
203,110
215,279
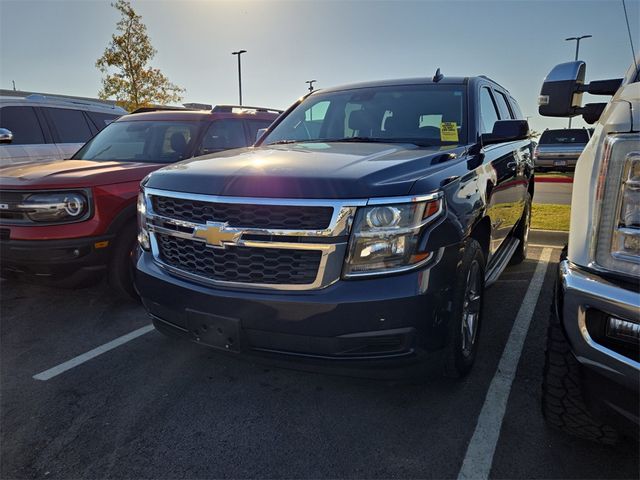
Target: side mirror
x,y
6,136
260,133
561,94
506,131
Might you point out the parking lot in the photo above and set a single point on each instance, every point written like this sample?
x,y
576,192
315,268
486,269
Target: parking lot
x,y
154,407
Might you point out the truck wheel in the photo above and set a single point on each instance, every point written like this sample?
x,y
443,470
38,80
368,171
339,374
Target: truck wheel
x,y
464,327
563,406
522,234
121,267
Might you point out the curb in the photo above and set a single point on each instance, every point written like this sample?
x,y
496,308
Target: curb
x,y
551,238
553,180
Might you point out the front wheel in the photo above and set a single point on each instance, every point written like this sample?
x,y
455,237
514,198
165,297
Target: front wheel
x,y
466,320
121,266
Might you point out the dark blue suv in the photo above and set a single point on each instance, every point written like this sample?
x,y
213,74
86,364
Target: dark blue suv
x,y
361,228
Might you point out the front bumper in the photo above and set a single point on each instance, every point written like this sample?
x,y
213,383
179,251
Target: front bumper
x,y
611,377
74,260
378,320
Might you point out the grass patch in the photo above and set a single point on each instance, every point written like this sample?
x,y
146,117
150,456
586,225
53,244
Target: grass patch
x,y
554,175
550,217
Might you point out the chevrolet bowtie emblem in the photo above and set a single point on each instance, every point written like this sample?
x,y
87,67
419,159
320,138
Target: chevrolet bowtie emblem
x,y
217,234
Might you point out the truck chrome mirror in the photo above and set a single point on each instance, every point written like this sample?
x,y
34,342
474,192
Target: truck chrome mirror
x,y
561,93
6,136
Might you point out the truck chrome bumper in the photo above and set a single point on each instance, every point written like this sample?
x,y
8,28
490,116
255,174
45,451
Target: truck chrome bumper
x,y
583,291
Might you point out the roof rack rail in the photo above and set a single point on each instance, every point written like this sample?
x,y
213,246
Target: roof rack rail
x,y
159,108
41,97
230,108
198,106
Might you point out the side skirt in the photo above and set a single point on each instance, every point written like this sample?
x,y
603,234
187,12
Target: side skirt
x,y
500,261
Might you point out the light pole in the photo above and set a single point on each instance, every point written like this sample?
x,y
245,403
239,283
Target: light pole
x,y
577,39
238,53
311,82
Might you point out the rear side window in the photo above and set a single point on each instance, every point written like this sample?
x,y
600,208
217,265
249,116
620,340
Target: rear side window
x,y
222,135
505,113
254,126
516,109
488,112
565,136
70,125
101,120
23,123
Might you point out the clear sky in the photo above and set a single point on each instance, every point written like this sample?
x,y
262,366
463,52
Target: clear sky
x,y
52,45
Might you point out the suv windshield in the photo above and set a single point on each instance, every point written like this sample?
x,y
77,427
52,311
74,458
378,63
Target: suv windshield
x,y
577,135
142,141
427,115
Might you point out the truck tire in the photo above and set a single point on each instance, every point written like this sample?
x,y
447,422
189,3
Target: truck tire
x,y
466,315
522,234
563,405
121,267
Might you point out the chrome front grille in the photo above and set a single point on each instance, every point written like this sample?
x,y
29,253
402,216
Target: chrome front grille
x,y
281,244
275,266
245,215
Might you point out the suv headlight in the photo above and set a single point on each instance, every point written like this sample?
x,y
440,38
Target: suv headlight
x,y
384,238
55,206
143,233
618,236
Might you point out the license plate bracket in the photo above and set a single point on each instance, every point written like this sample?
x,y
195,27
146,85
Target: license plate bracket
x,y
214,330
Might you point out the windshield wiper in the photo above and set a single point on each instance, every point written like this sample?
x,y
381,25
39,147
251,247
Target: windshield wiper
x,y
95,157
415,141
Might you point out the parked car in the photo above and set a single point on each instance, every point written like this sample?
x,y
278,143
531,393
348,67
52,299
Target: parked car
x,y
71,220
559,149
363,227
43,127
592,366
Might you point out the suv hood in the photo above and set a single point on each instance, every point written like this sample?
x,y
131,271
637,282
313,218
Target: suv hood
x,y
73,173
304,170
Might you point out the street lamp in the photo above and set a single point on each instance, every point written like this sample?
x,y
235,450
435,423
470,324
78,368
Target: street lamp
x,y
311,82
238,53
577,39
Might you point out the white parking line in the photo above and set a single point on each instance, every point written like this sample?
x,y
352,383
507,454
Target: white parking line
x,y
479,457
80,359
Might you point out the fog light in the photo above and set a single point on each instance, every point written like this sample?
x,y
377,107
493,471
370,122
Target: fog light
x,y
623,330
143,240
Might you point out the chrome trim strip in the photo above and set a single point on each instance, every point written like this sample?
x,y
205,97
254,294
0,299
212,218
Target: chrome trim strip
x,y
407,199
313,202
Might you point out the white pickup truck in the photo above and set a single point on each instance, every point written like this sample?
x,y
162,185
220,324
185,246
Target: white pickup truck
x,y
590,386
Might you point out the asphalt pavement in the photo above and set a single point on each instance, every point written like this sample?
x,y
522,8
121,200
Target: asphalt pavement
x,y
553,192
155,407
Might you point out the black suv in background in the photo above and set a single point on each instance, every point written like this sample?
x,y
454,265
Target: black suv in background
x,y
362,228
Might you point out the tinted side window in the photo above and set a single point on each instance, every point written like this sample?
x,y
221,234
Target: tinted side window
x,y
70,125
516,110
23,123
101,120
222,135
505,113
254,126
488,112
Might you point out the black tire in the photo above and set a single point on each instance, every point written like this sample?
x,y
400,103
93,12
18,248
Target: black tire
x,y
563,405
121,261
522,234
462,347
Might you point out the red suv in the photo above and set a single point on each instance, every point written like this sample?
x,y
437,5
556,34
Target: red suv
x,y
69,221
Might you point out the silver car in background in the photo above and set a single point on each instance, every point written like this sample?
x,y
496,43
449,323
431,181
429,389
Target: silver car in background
x,y
41,128
559,149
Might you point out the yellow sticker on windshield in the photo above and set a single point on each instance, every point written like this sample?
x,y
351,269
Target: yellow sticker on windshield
x,y
449,132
